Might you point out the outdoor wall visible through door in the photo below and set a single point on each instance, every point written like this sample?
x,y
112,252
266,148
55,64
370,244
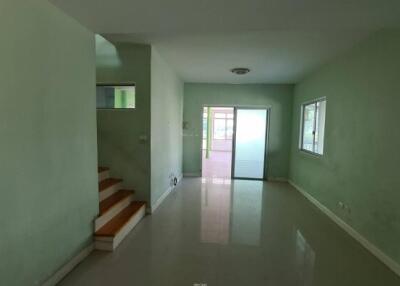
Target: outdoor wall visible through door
x,y
217,142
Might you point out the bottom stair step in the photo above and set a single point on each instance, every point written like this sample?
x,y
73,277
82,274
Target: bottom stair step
x,y
112,233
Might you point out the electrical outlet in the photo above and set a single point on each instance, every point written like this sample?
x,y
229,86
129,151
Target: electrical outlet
x,y
341,205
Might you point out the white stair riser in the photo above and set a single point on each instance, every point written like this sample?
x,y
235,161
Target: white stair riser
x,y
104,175
109,243
106,217
110,191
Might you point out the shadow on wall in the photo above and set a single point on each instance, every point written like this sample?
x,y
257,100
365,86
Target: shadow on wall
x,y
107,55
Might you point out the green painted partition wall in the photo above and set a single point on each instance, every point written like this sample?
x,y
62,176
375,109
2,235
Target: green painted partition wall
x,y
360,166
277,97
124,134
49,195
126,138
166,126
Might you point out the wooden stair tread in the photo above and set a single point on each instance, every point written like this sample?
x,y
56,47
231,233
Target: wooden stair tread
x,y
108,183
108,203
102,169
120,220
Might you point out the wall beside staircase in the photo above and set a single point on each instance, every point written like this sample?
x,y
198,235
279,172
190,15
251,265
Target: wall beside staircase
x,y
49,191
119,131
166,126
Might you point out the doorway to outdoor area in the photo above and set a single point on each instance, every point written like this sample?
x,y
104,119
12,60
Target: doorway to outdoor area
x,y
234,142
217,142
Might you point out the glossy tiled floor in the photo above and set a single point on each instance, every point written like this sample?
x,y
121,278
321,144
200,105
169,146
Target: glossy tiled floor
x,y
221,232
218,165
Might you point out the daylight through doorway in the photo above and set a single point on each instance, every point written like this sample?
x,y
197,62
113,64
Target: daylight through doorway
x,y
217,142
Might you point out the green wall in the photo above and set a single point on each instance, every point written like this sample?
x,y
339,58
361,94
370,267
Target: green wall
x,y
360,166
166,126
119,131
278,97
49,195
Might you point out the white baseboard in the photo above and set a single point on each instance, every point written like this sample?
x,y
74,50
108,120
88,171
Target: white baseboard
x,y
277,179
385,259
180,177
69,266
160,200
192,174
152,208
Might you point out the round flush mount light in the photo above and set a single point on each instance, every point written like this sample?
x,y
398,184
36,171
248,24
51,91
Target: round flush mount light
x,y
240,71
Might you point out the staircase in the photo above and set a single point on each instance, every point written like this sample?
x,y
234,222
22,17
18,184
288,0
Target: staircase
x,y
119,213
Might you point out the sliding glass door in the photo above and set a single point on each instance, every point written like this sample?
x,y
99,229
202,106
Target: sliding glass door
x,y
249,144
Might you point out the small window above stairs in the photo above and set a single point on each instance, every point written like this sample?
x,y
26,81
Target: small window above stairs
x,y
119,212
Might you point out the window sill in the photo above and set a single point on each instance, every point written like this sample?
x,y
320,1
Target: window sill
x,y
311,153
119,109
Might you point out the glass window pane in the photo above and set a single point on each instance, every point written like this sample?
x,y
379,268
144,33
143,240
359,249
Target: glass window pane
x,y
205,128
219,115
250,143
316,127
115,97
229,128
219,129
308,127
320,127
313,127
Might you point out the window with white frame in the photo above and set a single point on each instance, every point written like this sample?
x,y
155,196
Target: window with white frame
x,y
313,126
223,126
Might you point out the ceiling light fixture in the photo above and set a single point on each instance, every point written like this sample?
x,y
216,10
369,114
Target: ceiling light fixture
x,y
240,71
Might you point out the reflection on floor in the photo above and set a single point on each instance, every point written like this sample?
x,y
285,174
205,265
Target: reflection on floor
x,y
215,231
215,211
231,214
218,165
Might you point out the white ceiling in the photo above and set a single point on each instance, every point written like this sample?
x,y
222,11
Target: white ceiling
x,y
273,57
279,40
